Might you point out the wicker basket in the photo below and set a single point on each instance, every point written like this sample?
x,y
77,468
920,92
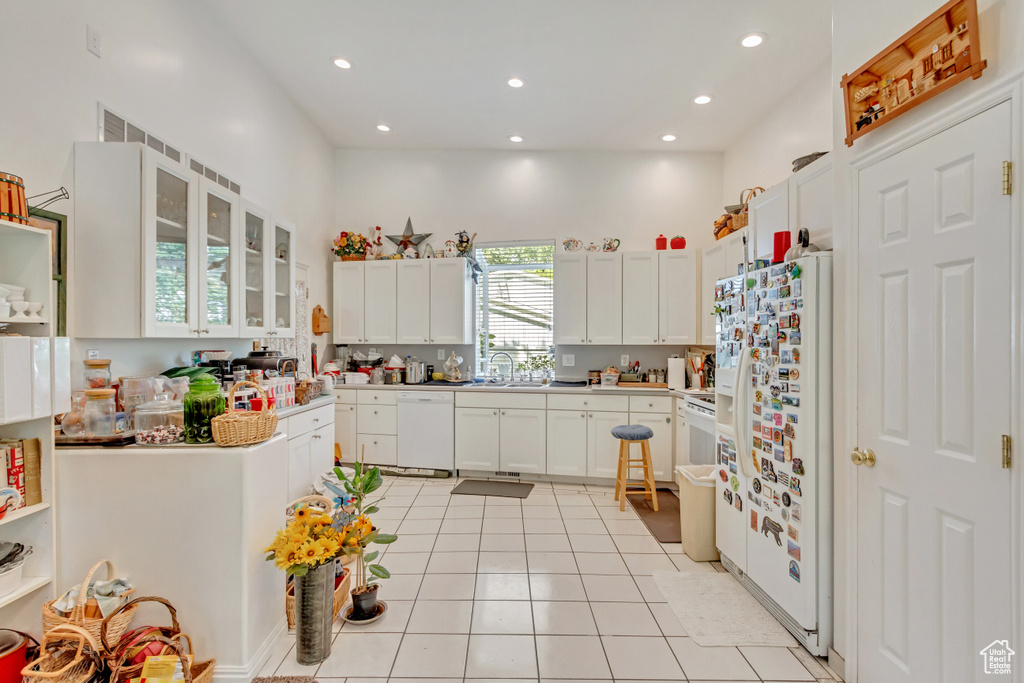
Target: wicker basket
x,y
68,654
741,218
307,389
353,257
199,672
138,636
244,427
115,627
341,589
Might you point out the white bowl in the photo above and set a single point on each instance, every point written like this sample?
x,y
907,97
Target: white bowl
x,y
33,309
16,293
19,308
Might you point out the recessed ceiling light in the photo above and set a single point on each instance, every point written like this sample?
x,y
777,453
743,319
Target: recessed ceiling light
x,y
383,129
515,82
752,39
668,138
702,99
515,138
342,63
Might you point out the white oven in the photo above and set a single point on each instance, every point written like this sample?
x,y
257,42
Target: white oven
x,y
698,432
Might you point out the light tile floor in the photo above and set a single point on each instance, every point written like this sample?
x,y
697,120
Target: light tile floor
x,y
556,587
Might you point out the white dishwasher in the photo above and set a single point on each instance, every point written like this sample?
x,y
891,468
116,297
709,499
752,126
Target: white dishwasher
x,y
426,429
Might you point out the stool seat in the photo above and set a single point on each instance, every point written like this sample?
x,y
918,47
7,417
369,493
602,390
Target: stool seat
x,y
632,432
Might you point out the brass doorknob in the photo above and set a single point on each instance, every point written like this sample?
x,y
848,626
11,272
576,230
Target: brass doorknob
x,y
864,457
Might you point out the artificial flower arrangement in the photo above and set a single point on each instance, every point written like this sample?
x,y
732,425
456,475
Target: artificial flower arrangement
x,y
309,540
350,246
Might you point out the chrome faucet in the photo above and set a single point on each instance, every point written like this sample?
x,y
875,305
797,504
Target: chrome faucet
x,y
511,364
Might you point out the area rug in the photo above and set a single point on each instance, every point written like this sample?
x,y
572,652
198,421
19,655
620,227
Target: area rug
x,y
663,524
715,610
503,489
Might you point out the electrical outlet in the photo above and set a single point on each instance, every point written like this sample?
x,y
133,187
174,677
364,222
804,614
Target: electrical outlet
x,y
568,360
373,351
624,360
440,354
92,40
92,354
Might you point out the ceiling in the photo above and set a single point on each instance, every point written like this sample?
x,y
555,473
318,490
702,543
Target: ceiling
x,y
600,74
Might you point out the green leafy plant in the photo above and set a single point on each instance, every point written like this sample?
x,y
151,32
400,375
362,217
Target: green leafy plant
x,y
357,532
540,362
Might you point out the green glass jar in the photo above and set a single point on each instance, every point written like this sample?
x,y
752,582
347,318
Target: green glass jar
x,y
203,402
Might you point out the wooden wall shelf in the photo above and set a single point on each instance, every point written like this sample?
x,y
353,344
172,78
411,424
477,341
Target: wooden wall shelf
x,y
932,57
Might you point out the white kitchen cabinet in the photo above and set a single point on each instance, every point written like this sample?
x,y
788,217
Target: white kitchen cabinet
x,y
282,322
378,449
681,455
640,287
349,324
42,399
810,201
567,443
717,263
678,297
570,298
321,454
477,445
219,260
15,379
414,301
660,443
604,298
451,301
381,282
521,441
769,213
345,430
602,447
255,289
299,458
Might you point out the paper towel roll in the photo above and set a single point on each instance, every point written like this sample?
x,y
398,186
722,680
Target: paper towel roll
x,y
677,373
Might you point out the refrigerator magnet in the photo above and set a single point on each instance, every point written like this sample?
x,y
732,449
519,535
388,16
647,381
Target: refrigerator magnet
x,y
756,485
757,442
788,431
796,359
777,436
734,483
727,495
786,356
753,520
793,550
795,511
787,451
798,288
786,500
794,321
794,571
784,479
776,391
793,373
791,418
793,532
738,502
784,385
795,272
776,404
770,526
795,388
725,477
790,401
784,292
778,419
775,498
757,409
785,514
794,485
798,466
780,456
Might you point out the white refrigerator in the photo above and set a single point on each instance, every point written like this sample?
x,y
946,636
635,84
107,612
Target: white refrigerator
x,y
774,413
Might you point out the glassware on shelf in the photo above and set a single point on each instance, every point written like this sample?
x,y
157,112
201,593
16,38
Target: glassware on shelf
x,y
160,421
100,412
203,402
73,422
97,373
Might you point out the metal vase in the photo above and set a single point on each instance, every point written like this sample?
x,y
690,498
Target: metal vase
x,y
314,614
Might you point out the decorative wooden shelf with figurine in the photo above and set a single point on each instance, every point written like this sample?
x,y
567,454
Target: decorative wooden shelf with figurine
x,y
932,57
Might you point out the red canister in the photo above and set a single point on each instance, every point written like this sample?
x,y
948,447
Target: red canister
x,y
14,655
782,243
678,242
661,243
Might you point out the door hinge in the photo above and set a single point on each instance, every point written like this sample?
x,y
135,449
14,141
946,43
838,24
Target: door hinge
x,y
1007,452
1007,177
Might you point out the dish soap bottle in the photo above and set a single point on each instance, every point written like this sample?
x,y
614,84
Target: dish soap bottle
x,y
203,402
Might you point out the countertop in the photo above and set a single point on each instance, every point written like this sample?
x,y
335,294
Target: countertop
x,y
325,399
543,389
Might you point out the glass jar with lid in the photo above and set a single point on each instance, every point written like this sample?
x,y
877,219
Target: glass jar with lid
x,y
160,421
97,373
73,421
100,412
203,402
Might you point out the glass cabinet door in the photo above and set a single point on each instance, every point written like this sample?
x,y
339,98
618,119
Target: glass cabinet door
x,y
217,275
258,248
284,280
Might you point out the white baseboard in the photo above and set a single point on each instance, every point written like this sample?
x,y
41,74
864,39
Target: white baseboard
x,y
244,674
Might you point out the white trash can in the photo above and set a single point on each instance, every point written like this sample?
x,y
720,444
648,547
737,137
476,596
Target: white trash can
x,y
697,511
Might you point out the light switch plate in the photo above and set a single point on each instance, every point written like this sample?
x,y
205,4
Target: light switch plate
x,y
568,360
92,354
624,360
92,40
440,354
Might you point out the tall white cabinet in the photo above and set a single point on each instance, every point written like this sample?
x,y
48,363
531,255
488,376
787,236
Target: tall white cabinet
x,y
604,298
570,298
640,297
451,301
413,302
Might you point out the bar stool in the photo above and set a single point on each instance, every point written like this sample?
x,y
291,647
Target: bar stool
x,y
628,435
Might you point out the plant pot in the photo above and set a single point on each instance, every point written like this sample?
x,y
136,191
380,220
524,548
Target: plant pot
x,y
314,614
364,605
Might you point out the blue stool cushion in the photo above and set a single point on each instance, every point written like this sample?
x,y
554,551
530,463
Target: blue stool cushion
x,y
632,432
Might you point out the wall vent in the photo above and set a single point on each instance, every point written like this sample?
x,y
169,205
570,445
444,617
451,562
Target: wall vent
x,y
507,474
114,128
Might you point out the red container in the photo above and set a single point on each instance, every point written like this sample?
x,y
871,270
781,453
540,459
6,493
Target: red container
x,y
13,655
678,243
661,243
782,244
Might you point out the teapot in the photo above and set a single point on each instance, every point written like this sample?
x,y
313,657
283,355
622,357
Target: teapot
x,y
611,244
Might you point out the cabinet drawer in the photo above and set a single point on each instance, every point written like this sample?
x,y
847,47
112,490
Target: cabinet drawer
x,y
650,404
346,396
477,399
588,402
309,420
378,449
377,419
381,397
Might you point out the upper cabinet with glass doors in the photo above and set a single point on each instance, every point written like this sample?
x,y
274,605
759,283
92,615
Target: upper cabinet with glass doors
x,y
170,253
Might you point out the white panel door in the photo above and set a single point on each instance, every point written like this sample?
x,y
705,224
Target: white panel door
x,y
570,298
933,399
299,479
661,442
678,296
451,302
604,298
476,439
349,324
602,447
712,267
345,430
255,279
522,441
810,202
414,294
321,453
282,271
567,443
380,300
769,214
640,297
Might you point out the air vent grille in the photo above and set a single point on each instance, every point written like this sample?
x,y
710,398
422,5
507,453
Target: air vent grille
x,y
507,474
114,128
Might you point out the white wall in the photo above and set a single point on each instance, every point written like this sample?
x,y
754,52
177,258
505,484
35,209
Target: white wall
x,y
532,195
799,124
164,69
857,36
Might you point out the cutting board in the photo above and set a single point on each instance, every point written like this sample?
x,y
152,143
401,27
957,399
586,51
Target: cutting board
x,y
321,322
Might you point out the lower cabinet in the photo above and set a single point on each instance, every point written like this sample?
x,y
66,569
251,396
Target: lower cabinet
x,y
500,439
299,451
345,431
310,449
476,439
661,442
602,447
379,449
567,443
321,454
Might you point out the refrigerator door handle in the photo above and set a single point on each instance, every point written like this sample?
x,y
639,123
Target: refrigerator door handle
x,y
740,415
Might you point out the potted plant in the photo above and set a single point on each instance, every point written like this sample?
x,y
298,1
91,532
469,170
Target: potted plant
x,y
357,532
350,246
306,549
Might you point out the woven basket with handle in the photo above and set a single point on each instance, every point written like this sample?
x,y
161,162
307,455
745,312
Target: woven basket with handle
x,y
134,641
68,654
198,672
115,627
741,219
244,427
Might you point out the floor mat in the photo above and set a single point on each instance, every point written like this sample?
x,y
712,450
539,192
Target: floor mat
x,y
715,610
663,524
504,489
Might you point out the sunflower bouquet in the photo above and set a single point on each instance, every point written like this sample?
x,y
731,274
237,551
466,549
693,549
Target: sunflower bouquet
x,y
308,541
350,245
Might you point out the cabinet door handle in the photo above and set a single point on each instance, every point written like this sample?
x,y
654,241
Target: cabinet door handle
x,y
583,414
650,405
586,403
590,341
375,412
315,420
662,341
591,415
655,341
503,412
495,412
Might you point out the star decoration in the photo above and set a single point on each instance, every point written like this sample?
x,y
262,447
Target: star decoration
x,y
408,238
